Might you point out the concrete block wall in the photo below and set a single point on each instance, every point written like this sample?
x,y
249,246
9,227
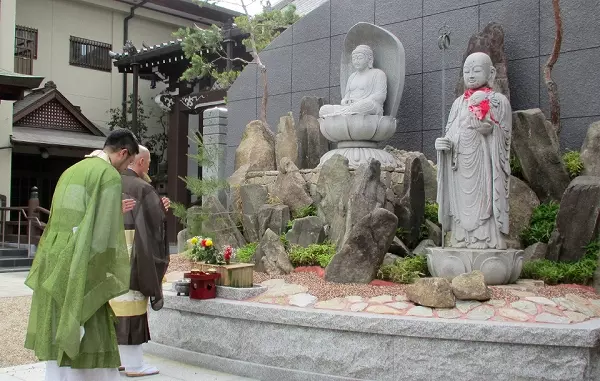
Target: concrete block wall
x,y
305,60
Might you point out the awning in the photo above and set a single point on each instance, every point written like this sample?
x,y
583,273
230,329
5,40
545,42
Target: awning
x,y
56,138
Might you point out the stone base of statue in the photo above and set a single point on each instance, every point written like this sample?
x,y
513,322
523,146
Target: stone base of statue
x,y
498,266
357,137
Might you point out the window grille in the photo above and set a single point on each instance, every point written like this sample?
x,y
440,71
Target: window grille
x,y
90,54
26,42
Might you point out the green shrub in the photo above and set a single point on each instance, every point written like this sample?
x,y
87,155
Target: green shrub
x,y
306,211
431,211
244,254
404,270
401,233
515,167
573,163
580,272
289,226
313,255
541,224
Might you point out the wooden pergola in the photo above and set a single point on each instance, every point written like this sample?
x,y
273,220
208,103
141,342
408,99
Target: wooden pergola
x,y
166,63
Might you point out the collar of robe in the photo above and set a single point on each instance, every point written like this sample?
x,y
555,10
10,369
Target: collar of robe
x,y
101,154
470,92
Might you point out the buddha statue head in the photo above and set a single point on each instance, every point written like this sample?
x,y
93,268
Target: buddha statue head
x,y
362,57
478,71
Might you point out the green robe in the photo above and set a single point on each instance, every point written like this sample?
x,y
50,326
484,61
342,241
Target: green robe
x,y
81,263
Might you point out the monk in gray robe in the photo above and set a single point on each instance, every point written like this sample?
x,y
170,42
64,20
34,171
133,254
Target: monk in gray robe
x,y
145,230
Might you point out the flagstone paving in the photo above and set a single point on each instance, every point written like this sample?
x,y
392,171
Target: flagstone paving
x,y
529,308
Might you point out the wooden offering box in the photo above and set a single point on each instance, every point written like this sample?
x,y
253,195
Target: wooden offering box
x,y
234,275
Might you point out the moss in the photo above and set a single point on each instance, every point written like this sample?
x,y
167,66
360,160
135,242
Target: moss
x,y
313,255
404,270
306,211
580,272
573,163
431,211
541,224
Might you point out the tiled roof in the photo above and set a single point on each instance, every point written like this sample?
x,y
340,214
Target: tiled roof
x,y
117,56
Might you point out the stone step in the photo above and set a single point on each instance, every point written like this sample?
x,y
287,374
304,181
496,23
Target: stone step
x,y
8,262
13,252
15,269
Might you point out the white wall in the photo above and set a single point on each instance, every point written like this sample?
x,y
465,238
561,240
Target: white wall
x,y
101,20
7,40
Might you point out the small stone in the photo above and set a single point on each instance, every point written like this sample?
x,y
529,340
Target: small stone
x,y
577,299
522,294
431,292
465,307
553,310
354,298
471,286
500,318
380,309
527,307
381,299
513,314
358,307
447,313
496,302
549,318
302,300
530,283
481,313
576,317
273,283
399,305
332,304
420,311
541,300
571,305
403,298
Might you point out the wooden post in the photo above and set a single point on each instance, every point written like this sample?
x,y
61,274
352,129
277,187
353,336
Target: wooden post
x,y
134,105
177,149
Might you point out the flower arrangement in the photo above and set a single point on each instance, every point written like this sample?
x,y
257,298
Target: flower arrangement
x,y
203,250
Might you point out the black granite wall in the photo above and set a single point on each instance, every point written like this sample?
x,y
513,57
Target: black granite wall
x,y
305,60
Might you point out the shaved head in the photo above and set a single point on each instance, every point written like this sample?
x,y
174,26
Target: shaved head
x,y
141,162
144,154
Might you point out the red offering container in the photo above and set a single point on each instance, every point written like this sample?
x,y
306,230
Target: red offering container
x,y
202,285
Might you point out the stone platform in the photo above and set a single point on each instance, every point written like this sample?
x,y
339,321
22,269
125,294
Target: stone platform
x,y
272,343
497,266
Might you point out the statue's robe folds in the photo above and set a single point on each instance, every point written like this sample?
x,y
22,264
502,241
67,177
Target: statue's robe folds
x,y
473,178
80,265
366,99
145,228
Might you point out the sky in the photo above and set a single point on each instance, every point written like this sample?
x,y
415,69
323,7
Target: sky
x,y
254,8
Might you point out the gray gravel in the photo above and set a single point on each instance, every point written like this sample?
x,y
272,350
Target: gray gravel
x,y
13,325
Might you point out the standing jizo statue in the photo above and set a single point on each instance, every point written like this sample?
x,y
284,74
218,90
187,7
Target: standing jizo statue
x,y
474,156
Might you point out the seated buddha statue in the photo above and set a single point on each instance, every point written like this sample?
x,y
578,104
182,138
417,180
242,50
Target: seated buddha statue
x,y
366,89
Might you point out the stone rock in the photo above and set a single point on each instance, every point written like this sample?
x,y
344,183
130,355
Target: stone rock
x,y
536,251
274,217
434,232
367,193
360,257
257,148
390,259
522,201
332,194
422,247
429,169
578,220
182,238
590,151
431,292
491,42
312,143
399,248
535,145
273,255
471,286
306,231
286,141
252,196
290,187
410,207
235,181
220,226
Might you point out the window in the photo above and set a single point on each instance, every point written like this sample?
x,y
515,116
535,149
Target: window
x,y
26,41
90,54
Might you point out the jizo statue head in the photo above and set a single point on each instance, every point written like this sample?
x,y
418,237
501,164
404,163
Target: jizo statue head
x,y
479,71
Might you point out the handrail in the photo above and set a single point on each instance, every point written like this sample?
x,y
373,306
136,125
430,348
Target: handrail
x,y
22,212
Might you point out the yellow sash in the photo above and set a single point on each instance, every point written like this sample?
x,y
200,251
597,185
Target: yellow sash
x,y
133,303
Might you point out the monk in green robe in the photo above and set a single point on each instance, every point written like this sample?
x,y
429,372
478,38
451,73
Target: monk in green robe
x,y
80,265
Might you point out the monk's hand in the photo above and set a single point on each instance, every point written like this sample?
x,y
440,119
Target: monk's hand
x,y
166,203
128,205
484,128
443,144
